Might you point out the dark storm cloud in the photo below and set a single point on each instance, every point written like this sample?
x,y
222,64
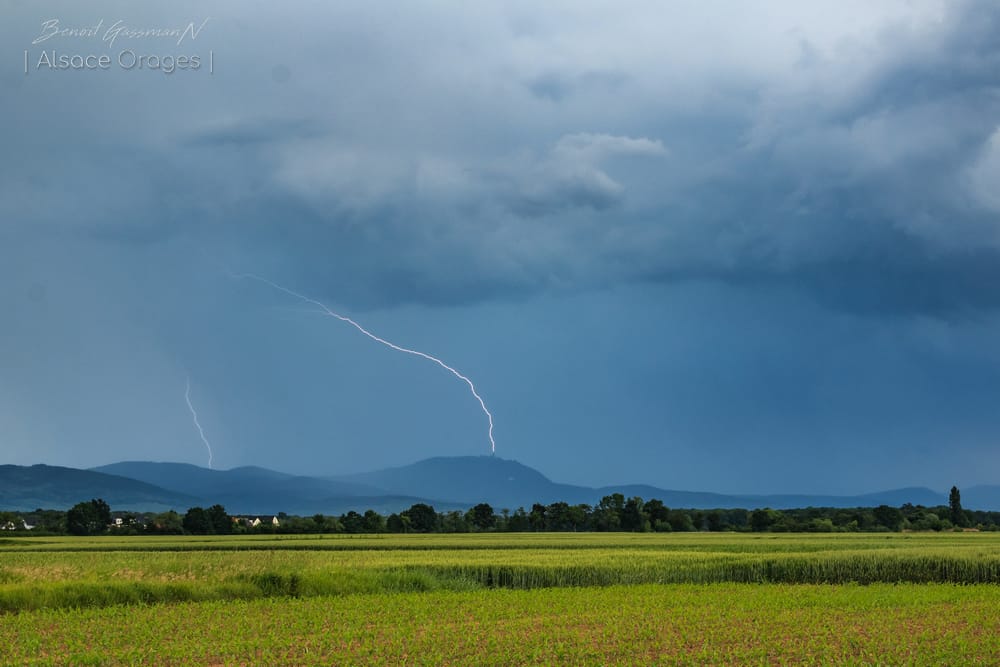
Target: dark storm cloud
x,y
863,196
854,161
851,184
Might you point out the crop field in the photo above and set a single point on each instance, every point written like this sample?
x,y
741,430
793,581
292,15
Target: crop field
x,y
502,599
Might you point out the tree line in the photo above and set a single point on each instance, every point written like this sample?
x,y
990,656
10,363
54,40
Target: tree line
x,y
613,513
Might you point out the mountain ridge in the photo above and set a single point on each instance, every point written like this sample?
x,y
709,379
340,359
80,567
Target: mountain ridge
x,y
26,488
256,490
455,482
480,482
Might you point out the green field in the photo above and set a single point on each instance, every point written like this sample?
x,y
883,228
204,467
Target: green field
x,y
502,599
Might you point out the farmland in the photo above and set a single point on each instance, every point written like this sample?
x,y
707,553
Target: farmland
x,y
498,599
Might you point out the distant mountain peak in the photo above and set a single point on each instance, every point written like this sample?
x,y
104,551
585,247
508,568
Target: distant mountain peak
x,y
485,463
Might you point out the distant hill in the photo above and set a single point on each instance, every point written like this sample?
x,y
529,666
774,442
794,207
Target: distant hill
x,y
253,490
503,483
191,479
25,488
471,479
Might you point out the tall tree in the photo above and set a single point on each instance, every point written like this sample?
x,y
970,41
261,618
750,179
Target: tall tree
x,y
197,521
373,522
221,522
88,518
537,517
482,516
955,505
658,514
423,518
557,517
608,513
634,517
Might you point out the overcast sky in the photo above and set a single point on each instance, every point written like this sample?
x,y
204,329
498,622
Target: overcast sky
x,y
739,247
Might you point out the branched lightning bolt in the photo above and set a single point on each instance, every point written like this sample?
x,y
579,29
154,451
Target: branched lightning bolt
x,y
418,353
197,425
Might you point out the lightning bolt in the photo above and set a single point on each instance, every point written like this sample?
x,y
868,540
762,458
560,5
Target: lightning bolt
x,y
194,417
343,318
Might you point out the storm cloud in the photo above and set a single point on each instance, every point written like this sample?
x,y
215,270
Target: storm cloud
x,y
776,147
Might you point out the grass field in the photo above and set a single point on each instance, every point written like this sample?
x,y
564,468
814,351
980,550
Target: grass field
x,y
502,599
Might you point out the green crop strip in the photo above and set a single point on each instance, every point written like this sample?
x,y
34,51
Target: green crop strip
x,y
221,568
745,624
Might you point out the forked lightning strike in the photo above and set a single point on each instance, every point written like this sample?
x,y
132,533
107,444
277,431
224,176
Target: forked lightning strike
x,y
197,425
344,318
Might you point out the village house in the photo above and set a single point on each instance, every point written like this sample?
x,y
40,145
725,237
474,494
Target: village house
x,y
256,521
11,525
